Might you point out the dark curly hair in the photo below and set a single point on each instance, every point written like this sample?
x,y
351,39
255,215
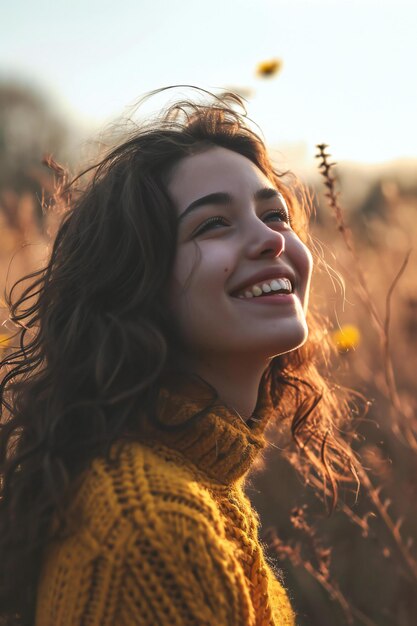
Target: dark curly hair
x,y
96,336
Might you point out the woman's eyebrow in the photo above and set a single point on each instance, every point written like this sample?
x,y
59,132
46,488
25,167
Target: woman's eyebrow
x,y
222,198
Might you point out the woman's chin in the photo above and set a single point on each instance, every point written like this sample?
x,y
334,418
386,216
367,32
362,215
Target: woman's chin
x,y
291,341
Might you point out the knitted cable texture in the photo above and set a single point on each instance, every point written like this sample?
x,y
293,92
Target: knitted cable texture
x,y
166,533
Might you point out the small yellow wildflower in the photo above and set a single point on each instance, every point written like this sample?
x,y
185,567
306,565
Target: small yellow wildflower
x,y
266,69
346,338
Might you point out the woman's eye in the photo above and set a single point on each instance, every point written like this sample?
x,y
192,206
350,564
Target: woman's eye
x,y
281,213
208,224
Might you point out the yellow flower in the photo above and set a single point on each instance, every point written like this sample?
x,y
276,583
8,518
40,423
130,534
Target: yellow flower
x,y
266,69
4,341
346,338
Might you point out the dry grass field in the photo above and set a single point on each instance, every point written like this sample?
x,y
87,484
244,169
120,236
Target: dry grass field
x,y
358,566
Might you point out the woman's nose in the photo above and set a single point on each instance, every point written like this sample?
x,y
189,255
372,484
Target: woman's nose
x,y
266,242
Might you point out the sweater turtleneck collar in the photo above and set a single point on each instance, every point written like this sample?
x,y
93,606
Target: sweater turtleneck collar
x,y
211,435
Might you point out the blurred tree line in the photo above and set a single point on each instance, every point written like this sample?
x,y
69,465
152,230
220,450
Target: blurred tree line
x,y
29,127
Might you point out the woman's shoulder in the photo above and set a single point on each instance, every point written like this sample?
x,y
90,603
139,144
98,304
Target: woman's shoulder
x,y
135,485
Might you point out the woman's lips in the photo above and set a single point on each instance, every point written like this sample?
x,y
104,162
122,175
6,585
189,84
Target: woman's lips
x,y
278,298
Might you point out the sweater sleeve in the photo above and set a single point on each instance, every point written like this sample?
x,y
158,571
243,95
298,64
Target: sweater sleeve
x,y
183,574
161,559
153,549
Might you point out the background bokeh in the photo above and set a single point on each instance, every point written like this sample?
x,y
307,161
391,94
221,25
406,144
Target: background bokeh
x,y
336,72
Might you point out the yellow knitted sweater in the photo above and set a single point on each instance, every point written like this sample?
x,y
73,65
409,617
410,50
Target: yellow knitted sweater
x,y
168,535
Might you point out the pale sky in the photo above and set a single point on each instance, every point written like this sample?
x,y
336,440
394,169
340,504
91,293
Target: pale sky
x,y
349,66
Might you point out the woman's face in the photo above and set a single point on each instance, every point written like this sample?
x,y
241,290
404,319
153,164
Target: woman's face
x,y
238,239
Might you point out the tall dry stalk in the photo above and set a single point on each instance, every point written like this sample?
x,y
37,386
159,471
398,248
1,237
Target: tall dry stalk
x,y
401,424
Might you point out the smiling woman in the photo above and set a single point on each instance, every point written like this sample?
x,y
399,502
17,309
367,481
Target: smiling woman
x,y
151,360
230,341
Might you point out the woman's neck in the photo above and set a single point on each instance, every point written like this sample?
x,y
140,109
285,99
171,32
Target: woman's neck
x,y
237,384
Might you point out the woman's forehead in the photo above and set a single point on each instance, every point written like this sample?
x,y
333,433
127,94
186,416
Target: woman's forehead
x,y
216,169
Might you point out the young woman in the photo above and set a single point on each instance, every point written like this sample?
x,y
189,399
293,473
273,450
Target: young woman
x,y
167,331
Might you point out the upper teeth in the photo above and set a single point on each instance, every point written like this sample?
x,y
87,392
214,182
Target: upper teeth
x,y
265,287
